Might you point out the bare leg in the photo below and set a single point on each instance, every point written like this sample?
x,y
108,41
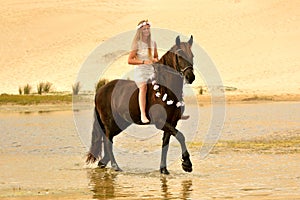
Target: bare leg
x,y
142,102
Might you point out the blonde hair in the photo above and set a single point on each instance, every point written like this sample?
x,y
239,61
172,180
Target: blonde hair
x,y
138,37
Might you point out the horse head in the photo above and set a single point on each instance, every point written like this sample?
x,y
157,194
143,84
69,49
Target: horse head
x,y
184,57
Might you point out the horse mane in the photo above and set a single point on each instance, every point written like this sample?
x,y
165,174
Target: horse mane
x,y
168,58
166,75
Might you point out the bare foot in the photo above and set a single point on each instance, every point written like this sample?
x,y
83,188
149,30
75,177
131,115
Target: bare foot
x,y
145,120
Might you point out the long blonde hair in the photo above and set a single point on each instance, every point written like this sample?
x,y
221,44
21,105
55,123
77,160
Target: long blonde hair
x,y
138,37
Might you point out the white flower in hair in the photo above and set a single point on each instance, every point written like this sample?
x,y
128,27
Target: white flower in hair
x,y
157,94
143,24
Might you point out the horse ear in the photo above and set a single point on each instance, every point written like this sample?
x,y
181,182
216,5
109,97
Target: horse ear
x,y
178,41
191,40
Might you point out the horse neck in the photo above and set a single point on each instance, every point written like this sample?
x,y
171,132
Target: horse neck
x,y
173,84
168,60
174,90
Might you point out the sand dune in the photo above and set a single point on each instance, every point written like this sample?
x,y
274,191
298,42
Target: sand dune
x,y
254,44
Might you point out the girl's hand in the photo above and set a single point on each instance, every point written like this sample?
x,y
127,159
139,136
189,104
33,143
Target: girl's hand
x,y
147,62
155,60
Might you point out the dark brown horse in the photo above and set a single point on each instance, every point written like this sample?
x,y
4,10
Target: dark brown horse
x,y
116,106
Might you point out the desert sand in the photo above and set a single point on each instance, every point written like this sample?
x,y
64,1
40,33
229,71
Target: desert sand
x,y
253,44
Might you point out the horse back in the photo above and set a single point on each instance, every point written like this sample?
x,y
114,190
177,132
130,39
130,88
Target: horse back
x,y
114,99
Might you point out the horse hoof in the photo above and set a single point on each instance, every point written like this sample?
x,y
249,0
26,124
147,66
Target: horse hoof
x,y
116,168
164,171
186,163
101,164
187,168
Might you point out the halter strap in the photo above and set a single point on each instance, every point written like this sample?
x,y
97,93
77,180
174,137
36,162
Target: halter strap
x,y
181,71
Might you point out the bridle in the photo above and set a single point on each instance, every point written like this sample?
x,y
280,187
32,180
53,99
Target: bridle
x,y
181,71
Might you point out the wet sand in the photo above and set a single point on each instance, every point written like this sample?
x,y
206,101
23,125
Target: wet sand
x,y
221,176
42,157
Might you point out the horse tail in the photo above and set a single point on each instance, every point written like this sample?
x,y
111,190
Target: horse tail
x,y
98,133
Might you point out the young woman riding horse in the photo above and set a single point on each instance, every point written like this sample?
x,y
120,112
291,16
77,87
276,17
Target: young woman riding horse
x,y
116,106
143,54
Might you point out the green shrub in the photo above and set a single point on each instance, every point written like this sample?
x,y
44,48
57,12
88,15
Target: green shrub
x,y
20,90
201,90
100,83
40,88
76,88
47,87
27,89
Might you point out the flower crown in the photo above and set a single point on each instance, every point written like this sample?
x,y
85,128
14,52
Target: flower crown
x,y
145,22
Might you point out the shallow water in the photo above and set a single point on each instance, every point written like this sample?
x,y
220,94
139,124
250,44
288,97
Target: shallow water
x,y
41,154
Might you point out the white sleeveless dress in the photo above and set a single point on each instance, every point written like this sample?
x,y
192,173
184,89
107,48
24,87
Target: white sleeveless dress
x,y
144,71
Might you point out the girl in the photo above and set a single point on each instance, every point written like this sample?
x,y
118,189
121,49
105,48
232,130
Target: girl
x,y
143,54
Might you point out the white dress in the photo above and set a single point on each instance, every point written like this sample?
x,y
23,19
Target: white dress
x,y
144,71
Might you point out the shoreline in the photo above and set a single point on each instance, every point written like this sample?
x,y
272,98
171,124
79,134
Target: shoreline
x,y
202,100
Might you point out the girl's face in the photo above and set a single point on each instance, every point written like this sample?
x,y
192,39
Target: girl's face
x,y
146,30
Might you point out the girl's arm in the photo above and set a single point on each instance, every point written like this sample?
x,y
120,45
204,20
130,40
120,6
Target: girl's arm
x,y
155,57
132,59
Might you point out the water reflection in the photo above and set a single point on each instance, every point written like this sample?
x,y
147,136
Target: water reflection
x,y
107,184
164,188
185,192
102,183
186,189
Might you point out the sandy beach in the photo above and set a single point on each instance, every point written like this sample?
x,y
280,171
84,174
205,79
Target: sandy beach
x,y
254,46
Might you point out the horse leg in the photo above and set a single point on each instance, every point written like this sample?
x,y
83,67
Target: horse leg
x,y
103,162
113,129
164,152
186,162
114,164
98,139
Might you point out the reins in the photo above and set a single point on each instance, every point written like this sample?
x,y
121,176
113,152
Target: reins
x,y
181,71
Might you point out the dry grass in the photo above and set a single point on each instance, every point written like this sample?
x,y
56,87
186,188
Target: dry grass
x,y
6,99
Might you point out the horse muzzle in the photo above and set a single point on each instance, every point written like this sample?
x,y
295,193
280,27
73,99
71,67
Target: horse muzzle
x,y
189,76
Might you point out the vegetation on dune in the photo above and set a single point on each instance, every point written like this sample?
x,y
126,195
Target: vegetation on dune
x,y
100,83
34,99
76,88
